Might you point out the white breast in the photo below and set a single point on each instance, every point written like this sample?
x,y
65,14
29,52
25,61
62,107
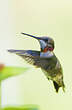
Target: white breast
x,y
46,54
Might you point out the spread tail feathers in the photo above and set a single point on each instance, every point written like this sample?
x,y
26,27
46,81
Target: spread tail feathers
x,y
56,86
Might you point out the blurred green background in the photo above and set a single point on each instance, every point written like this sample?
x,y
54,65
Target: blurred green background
x,y
40,18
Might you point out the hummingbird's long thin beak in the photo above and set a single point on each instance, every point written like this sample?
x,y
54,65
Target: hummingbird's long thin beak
x,y
38,38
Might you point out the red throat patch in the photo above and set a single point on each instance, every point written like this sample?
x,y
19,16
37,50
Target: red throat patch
x,y
50,49
46,49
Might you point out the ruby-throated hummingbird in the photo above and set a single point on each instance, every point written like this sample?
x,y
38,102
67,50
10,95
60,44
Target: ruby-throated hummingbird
x,y
44,59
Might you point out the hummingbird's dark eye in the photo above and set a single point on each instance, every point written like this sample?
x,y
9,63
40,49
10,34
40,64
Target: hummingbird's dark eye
x,y
46,40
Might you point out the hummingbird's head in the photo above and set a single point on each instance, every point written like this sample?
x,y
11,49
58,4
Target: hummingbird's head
x,y
46,43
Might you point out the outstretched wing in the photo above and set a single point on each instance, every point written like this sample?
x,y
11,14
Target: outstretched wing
x,y
30,56
33,57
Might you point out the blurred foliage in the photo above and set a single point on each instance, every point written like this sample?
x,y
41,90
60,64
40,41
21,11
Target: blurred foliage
x,y
27,107
6,72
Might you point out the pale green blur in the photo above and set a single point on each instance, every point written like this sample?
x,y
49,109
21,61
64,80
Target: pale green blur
x,y
41,18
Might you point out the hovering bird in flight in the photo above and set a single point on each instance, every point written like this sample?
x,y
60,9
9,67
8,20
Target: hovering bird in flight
x,y
44,59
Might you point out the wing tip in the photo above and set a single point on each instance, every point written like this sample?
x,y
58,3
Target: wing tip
x,y
11,50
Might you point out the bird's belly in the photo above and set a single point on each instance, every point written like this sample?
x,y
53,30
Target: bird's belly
x,y
50,74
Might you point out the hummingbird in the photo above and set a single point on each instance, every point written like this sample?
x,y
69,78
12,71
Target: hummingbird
x,y
44,59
